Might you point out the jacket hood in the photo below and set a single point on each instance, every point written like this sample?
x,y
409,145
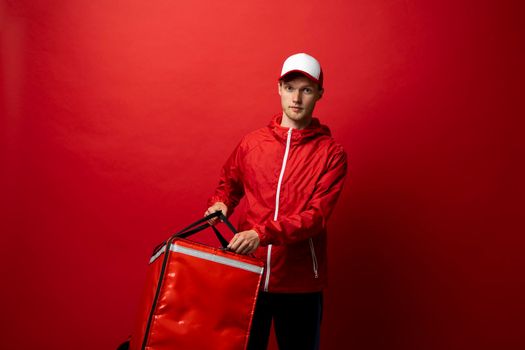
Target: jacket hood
x,y
315,129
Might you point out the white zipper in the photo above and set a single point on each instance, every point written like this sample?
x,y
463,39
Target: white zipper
x,y
285,159
268,259
314,259
276,213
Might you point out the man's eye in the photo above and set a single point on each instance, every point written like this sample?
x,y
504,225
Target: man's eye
x,y
308,91
288,88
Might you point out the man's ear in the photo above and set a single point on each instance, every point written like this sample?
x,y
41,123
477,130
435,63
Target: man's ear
x,y
321,92
279,87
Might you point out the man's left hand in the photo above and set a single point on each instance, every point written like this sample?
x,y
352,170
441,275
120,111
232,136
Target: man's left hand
x,y
244,242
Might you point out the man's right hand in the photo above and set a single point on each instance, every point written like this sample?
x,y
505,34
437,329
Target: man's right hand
x,y
215,207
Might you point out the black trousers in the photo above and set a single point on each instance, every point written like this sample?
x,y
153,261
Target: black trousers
x,y
296,317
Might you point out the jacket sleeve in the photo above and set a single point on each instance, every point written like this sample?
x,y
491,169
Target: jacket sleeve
x,y
312,221
230,189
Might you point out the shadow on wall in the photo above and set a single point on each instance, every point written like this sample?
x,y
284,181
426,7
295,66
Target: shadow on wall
x,y
384,291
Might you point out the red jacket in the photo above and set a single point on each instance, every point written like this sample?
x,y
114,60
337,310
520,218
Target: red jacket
x,y
291,180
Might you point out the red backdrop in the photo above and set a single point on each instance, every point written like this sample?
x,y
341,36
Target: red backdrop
x,y
117,115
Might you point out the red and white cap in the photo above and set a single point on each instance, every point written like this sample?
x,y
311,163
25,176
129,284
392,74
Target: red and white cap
x,y
305,64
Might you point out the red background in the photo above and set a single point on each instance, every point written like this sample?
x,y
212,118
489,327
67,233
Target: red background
x,y
117,115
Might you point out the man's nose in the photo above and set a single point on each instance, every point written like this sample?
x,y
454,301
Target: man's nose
x,y
296,96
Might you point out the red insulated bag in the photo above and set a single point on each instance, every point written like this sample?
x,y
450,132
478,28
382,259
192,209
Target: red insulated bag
x,y
197,297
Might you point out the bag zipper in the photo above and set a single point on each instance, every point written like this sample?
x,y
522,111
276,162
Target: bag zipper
x,y
277,197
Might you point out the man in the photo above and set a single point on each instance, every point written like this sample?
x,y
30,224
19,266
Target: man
x,y
291,173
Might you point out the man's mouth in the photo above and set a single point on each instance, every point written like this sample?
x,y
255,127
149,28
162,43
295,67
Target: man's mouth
x,y
295,108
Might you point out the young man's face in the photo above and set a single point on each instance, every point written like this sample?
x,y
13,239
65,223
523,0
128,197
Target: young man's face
x,y
298,98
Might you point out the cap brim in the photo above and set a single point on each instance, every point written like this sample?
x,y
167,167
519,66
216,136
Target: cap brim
x,y
301,72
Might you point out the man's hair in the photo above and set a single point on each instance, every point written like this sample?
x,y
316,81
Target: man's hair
x,y
294,75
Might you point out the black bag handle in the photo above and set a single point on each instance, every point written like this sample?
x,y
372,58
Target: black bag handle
x,y
200,225
220,237
218,213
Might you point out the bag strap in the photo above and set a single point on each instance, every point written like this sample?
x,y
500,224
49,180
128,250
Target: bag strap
x,y
220,237
196,227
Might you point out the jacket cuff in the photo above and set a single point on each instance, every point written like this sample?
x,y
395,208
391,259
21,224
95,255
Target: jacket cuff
x,y
214,199
264,240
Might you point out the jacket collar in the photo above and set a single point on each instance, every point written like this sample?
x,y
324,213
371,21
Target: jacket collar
x,y
315,129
